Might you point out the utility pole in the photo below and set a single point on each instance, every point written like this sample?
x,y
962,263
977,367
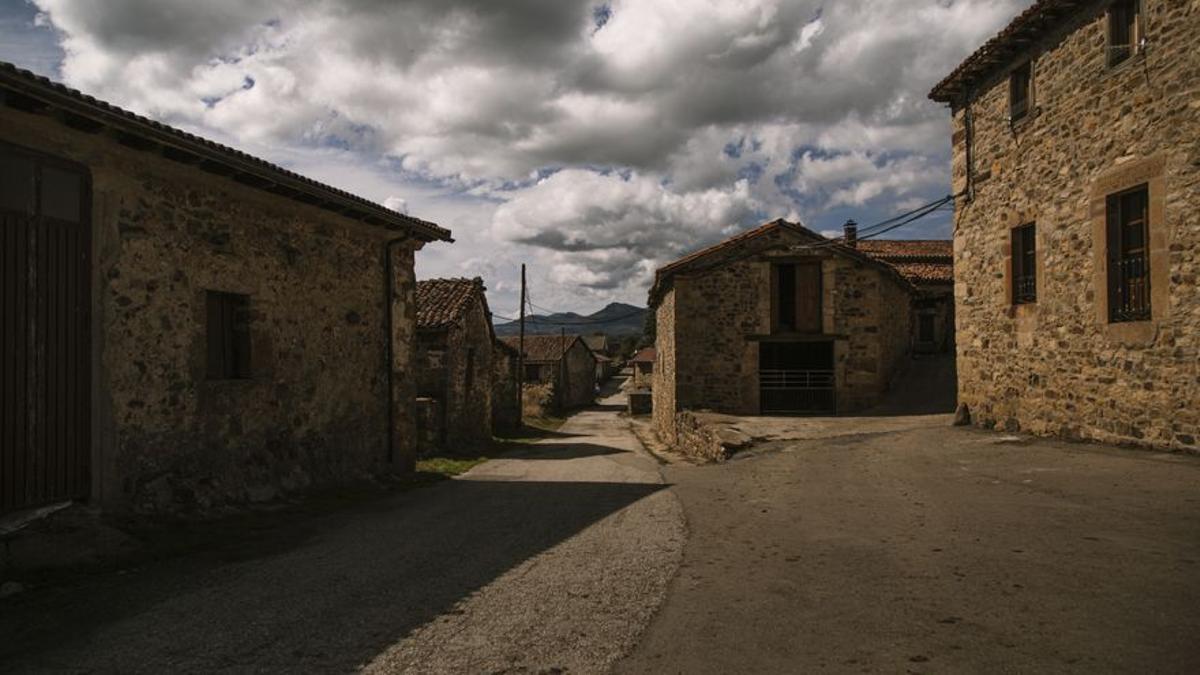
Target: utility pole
x,y
521,357
562,365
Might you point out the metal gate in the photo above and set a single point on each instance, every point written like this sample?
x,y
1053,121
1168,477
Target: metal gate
x,y
797,378
44,343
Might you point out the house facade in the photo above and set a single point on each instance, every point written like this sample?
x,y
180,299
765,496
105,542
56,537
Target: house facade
x,y
454,363
506,393
1077,232
778,320
185,326
563,361
642,365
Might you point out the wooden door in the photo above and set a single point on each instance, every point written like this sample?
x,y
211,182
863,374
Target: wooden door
x,y
808,298
44,314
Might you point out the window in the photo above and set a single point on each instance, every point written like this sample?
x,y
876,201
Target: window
x,y
1020,85
1123,30
1024,264
533,373
796,298
228,336
1128,255
925,327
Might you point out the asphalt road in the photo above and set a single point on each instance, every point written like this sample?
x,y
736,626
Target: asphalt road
x,y
934,550
915,547
554,559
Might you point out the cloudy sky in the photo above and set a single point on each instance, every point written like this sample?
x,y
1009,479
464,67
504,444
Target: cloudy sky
x,y
592,140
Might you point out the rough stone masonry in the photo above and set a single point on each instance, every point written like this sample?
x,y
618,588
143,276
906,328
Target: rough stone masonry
x,y
1061,365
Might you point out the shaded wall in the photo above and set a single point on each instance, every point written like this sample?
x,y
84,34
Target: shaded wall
x,y
313,412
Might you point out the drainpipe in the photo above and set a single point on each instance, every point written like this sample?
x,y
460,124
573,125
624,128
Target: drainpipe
x,y
389,295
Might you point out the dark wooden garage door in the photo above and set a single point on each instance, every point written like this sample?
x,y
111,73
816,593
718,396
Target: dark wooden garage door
x,y
44,354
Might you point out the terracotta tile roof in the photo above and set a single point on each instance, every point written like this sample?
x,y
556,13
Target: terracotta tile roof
x,y
1028,26
907,248
24,87
645,355
543,348
921,261
662,278
440,302
730,243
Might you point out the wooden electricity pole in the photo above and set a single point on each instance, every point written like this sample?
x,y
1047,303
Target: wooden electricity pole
x,y
521,357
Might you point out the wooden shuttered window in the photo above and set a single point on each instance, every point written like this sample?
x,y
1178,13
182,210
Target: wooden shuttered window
x,y
1020,87
796,298
228,336
1123,29
1128,241
1024,264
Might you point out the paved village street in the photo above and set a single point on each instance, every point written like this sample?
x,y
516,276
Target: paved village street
x,y
933,549
554,557
916,546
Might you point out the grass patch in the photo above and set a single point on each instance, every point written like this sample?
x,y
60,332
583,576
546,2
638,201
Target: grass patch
x,y
449,465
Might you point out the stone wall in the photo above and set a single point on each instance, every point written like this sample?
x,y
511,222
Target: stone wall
x,y
1058,366
664,377
314,411
469,380
506,411
580,372
711,323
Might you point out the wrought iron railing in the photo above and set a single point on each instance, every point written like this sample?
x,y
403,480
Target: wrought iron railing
x,y
796,379
1131,299
1025,289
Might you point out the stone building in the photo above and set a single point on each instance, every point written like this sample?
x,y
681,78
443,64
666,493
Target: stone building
x,y
780,320
929,265
642,365
562,361
186,326
506,397
1077,232
454,363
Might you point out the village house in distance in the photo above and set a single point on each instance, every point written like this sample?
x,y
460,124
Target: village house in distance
x,y
563,361
780,320
455,346
1076,149
190,326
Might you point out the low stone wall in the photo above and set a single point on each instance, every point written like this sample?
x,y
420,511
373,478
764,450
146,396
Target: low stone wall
x,y
706,440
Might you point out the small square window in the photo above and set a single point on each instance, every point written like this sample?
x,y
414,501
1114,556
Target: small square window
x,y
1020,87
1024,264
228,335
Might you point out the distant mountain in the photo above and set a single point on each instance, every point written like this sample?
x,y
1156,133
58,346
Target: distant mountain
x,y
616,319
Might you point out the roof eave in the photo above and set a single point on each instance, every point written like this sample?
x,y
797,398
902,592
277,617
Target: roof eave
x,y
209,155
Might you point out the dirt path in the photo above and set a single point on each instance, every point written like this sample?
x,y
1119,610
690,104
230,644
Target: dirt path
x,y
552,559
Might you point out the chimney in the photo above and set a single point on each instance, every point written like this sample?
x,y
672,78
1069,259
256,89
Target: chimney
x,y
851,233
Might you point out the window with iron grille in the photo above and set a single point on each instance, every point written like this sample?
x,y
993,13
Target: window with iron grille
x,y
1128,223
1020,86
1024,264
1123,28
228,332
